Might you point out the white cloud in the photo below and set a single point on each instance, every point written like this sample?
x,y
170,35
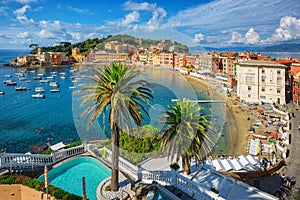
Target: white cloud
x,y
289,28
75,36
157,17
251,37
198,37
55,26
21,1
45,34
236,37
78,10
129,5
21,17
23,35
21,11
158,13
130,18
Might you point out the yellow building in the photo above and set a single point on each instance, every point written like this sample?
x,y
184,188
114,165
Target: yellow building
x,y
77,55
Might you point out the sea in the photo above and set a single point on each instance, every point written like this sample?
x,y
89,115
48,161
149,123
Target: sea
x,y
26,122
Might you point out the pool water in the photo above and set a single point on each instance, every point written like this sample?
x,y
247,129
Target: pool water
x,y
159,196
68,176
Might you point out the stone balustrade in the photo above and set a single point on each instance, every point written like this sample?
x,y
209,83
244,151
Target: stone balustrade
x,y
12,161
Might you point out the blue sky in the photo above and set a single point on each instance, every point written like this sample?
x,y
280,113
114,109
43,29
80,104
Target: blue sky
x,y
217,23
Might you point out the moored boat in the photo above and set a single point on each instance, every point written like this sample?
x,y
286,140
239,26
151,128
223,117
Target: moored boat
x,y
44,81
7,76
38,96
50,77
37,78
1,93
39,89
21,88
55,90
54,84
9,82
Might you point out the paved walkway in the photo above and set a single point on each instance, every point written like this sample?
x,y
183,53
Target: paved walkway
x,y
293,159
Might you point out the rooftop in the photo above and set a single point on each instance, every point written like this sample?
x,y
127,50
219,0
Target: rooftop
x,y
261,63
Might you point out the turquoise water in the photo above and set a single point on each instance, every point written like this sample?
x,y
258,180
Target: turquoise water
x,y
159,196
26,121
68,176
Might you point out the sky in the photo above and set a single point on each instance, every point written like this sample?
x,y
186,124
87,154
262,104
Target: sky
x,y
208,23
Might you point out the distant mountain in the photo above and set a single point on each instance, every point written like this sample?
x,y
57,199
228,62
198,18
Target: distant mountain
x,y
233,49
282,48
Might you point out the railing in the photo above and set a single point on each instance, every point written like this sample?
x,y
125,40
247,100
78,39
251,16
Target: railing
x,y
164,178
24,161
124,165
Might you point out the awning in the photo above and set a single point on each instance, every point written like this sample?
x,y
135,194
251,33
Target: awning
x,y
57,146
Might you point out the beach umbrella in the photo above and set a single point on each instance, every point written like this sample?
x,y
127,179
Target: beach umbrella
x,y
83,188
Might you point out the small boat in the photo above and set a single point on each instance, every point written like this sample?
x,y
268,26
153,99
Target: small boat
x,y
22,79
53,73
37,78
21,88
75,81
40,74
44,81
9,82
50,77
63,77
54,84
1,93
7,76
72,87
55,90
28,81
38,96
39,89
20,74
73,77
32,71
62,73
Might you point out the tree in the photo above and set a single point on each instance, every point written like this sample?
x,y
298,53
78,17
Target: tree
x,y
116,94
188,133
33,46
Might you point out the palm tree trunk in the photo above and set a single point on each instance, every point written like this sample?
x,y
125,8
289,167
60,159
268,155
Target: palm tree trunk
x,y
186,164
115,158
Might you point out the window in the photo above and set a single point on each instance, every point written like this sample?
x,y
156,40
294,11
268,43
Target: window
x,y
249,88
278,91
263,89
262,71
263,79
249,95
262,97
278,81
278,72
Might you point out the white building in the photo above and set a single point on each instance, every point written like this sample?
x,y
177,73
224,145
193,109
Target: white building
x,y
261,81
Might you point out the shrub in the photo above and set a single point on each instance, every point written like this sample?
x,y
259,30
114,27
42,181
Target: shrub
x,y
107,188
6,179
73,144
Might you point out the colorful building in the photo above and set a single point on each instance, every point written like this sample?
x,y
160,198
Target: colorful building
x,y
261,81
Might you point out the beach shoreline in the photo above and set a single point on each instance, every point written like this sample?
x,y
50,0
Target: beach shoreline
x,y
235,124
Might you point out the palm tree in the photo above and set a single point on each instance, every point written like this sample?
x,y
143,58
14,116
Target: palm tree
x,y
188,133
116,95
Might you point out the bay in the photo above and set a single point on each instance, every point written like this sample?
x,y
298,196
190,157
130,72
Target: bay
x,y
26,121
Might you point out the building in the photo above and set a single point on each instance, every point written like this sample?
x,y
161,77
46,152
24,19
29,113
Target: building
x,y
77,55
58,58
295,78
261,81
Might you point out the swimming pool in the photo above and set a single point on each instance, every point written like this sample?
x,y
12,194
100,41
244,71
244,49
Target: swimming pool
x,y
68,176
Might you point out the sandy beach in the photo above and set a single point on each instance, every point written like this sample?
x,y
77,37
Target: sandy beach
x,y
236,121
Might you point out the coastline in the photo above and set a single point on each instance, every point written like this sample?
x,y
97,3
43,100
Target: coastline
x,y
234,124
